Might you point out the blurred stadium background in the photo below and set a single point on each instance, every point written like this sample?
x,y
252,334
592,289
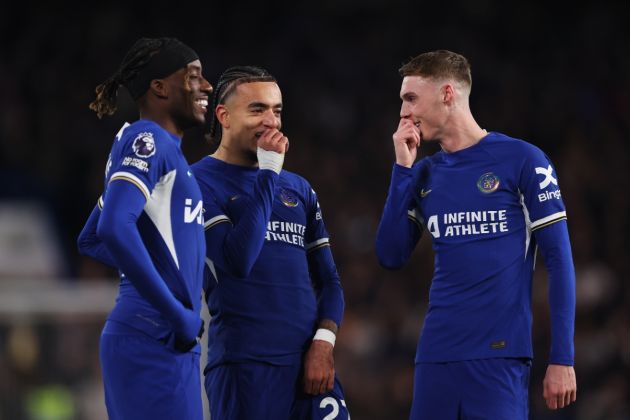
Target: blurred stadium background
x,y
557,76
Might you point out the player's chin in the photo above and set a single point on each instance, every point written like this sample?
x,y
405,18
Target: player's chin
x,y
200,118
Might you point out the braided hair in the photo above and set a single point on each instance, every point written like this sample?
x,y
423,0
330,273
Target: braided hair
x,y
226,85
135,60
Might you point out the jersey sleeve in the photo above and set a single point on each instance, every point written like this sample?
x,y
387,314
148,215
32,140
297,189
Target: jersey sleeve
x,y
235,245
139,158
545,210
555,248
89,243
321,264
400,227
117,227
538,185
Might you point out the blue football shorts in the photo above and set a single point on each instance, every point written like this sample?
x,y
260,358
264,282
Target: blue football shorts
x,y
261,391
494,389
145,379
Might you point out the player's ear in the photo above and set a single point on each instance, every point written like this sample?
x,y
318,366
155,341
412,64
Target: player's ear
x,y
448,93
159,88
223,115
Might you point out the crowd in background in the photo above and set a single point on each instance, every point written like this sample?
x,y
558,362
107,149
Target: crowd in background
x,y
559,78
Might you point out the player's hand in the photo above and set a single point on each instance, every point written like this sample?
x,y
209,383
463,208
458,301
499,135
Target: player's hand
x,y
273,140
406,142
270,150
319,368
559,386
186,346
188,327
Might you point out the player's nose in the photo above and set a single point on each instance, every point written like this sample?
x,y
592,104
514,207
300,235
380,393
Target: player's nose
x,y
270,120
206,86
405,111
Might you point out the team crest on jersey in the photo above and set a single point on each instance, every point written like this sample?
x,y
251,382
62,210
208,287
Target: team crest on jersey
x,y
488,183
287,198
144,145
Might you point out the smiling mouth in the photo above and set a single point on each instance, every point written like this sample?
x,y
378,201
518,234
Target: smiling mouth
x,y
202,103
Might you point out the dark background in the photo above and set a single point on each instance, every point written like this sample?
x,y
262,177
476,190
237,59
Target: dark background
x,y
555,75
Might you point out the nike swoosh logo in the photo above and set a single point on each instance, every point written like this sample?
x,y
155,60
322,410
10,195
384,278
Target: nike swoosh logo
x,y
424,193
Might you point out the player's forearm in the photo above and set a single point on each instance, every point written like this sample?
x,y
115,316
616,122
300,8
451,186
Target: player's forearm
x,y
330,292
242,243
90,244
396,236
555,248
118,229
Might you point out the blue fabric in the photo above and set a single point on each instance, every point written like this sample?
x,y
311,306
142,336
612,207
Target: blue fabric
x,y
259,391
90,244
555,248
494,389
235,246
143,379
151,229
271,314
330,405
398,230
480,205
117,227
255,391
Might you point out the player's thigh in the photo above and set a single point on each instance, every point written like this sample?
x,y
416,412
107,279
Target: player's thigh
x,y
494,389
434,393
255,391
330,405
145,380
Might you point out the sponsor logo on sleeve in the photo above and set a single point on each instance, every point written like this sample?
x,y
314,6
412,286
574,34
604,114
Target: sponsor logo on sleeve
x,y
144,145
549,179
136,163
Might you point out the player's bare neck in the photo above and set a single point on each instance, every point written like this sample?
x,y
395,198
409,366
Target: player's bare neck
x,y
462,136
162,120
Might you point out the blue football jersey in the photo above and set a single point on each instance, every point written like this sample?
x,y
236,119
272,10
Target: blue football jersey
x,y
481,205
171,225
271,314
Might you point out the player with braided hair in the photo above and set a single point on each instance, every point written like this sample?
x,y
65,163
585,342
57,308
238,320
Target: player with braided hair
x,y
274,294
149,224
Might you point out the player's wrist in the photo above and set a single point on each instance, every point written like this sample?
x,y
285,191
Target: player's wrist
x,y
326,335
268,159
